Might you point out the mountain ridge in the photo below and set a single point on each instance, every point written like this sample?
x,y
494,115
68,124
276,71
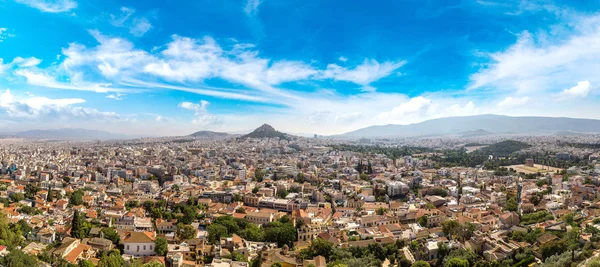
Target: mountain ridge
x,y
495,124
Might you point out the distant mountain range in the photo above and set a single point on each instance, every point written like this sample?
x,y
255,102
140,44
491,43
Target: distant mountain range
x,y
208,134
266,131
470,126
67,134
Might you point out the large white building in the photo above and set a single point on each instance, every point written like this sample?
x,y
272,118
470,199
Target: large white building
x,y
139,244
397,188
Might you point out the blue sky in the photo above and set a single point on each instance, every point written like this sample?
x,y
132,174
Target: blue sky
x,y
311,66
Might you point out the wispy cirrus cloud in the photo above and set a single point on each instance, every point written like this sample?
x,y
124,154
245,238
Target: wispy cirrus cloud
x,y
365,74
185,62
50,6
137,25
251,7
19,62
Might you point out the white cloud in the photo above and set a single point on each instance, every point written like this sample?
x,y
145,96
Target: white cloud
x,y
19,62
342,59
51,6
251,7
115,96
545,61
512,102
26,62
582,89
3,67
43,108
119,20
458,110
201,114
45,80
415,107
4,34
185,63
370,71
138,26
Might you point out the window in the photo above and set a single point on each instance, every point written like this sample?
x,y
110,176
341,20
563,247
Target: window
x,y
144,247
127,247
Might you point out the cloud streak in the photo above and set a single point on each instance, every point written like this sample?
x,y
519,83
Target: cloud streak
x,y
50,6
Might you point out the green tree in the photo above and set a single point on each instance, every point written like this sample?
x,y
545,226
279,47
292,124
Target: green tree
x,y
277,264
381,211
154,263
185,231
421,264
463,254
237,256
111,234
78,225
465,231
31,190
86,263
282,193
76,198
552,248
259,174
321,247
457,262
422,221
403,262
216,232
572,241
449,227
281,233
240,210
17,197
511,204
175,187
160,246
257,261
50,196
17,258
111,259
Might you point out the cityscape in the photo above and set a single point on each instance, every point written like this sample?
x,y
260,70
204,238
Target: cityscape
x,y
272,199
265,133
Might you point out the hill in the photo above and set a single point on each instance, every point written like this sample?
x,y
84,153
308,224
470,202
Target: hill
x,y
208,134
496,124
266,131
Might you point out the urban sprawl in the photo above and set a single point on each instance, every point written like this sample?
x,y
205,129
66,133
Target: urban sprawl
x,y
277,200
